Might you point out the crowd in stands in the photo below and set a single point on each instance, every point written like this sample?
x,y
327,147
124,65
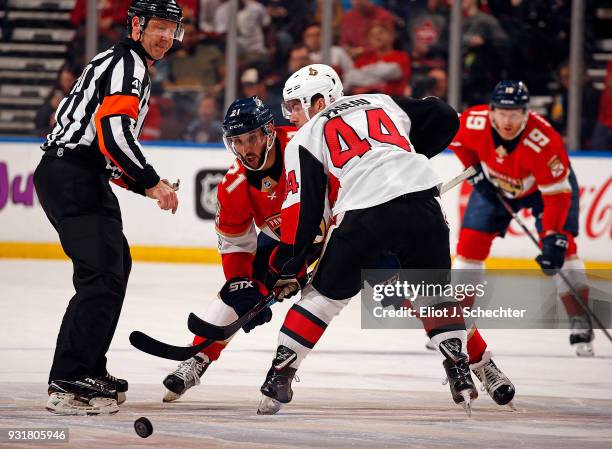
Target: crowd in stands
x,y
396,47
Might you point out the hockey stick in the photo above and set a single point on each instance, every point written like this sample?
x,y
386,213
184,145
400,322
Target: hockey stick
x,y
573,290
200,327
158,348
205,329
470,171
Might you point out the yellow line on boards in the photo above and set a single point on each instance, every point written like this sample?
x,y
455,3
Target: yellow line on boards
x,y
20,250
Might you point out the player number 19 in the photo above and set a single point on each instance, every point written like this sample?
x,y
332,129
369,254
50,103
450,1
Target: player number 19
x,y
536,140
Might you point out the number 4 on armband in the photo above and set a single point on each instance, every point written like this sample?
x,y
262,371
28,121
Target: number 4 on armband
x,y
292,185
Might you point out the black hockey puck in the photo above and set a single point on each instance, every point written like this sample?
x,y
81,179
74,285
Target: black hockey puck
x,y
143,427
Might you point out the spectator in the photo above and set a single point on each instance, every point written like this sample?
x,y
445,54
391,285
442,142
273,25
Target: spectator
x,y
45,116
337,14
287,19
253,83
340,59
206,127
557,110
195,64
251,20
485,44
428,33
298,58
206,16
434,84
382,69
357,22
112,14
112,17
275,80
602,135
151,129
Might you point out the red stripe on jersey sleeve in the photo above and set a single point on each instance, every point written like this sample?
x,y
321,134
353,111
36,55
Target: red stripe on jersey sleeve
x,y
302,326
290,219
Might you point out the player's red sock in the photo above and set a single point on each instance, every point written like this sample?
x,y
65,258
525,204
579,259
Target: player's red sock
x,y
476,346
571,304
213,351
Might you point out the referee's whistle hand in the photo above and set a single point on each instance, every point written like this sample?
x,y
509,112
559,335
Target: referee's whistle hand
x,y
165,195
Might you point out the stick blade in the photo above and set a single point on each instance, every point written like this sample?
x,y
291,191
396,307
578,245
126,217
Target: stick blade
x,y
150,345
207,330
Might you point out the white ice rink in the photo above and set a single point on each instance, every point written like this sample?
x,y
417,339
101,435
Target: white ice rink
x,y
359,388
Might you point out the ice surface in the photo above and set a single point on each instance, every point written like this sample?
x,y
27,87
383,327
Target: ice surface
x,y
359,388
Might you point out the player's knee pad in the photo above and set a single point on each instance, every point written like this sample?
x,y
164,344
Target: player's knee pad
x,y
320,305
219,313
474,245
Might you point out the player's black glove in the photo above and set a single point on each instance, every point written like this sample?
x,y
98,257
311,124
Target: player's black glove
x,y
241,294
554,247
284,277
480,183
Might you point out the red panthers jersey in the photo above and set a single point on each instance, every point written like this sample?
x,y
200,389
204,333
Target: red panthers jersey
x,y
537,162
246,200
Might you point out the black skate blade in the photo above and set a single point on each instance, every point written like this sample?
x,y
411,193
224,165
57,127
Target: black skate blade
x,y
163,350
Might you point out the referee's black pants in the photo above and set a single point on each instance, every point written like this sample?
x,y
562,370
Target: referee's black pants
x,y
81,206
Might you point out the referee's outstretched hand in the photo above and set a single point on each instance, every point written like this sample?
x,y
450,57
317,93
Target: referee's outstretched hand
x,y
165,195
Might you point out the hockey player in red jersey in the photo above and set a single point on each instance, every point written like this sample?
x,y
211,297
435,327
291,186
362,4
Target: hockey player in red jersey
x,y
520,155
249,197
366,157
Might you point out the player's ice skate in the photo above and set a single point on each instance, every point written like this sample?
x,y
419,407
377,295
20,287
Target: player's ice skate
x,y
494,381
276,389
82,397
581,336
458,375
185,376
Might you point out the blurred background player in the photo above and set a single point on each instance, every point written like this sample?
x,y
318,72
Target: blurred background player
x,y
249,198
518,154
367,158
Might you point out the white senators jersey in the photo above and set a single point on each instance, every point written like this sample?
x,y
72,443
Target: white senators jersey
x,y
358,153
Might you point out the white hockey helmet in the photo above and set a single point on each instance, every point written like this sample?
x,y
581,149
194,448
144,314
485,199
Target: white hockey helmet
x,y
309,81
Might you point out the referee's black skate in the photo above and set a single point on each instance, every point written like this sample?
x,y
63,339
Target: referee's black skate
x,y
458,375
185,376
86,396
121,385
493,380
276,389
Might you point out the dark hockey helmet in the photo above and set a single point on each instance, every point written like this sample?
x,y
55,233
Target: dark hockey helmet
x,y
510,95
246,116
159,9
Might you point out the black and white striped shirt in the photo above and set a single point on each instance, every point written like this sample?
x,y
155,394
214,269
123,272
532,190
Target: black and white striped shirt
x,y
102,116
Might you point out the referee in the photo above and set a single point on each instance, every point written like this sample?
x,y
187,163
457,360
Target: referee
x,y
94,142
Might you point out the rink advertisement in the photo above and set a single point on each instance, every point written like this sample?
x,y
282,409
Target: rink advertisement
x,y
190,235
